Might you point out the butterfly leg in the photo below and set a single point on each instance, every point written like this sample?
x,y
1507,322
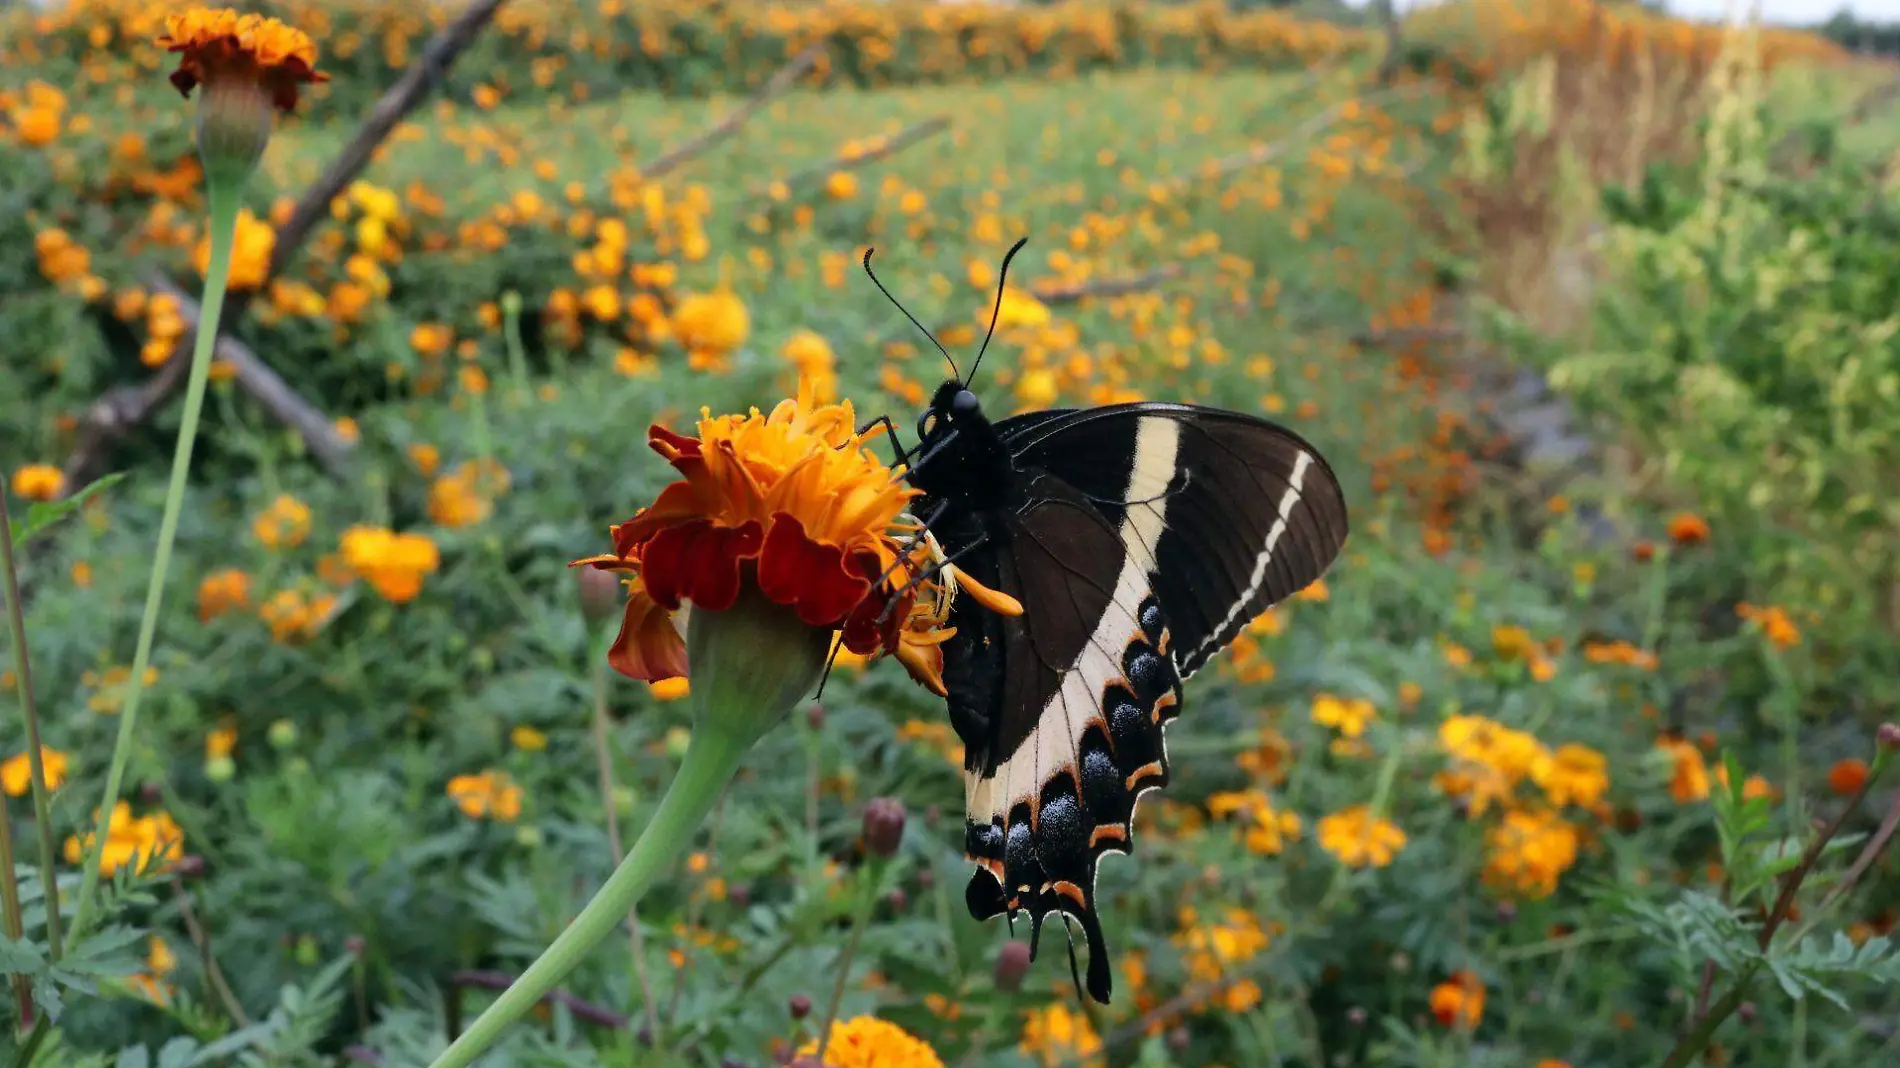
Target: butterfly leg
x,y
931,572
890,430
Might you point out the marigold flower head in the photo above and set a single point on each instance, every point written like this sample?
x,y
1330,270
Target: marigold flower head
x,y
1056,1034
215,44
1459,1001
491,794
38,482
392,563
1687,528
868,1042
16,772
1689,778
792,505
1528,851
1359,839
135,842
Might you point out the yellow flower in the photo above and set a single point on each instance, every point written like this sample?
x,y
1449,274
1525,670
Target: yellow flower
x,y
492,794
1018,310
223,591
1358,839
392,563
868,1042
715,323
216,45
1689,779
159,962
16,773
1213,949
38,482
1058,1035
250,252
841,185
1267,831
1348,717
1489,760
132,842
1528,850
1574,775
528,739
1459,1001
284,524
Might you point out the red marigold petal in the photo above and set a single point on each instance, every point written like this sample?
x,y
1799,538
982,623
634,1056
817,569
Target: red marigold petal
x,y
808,575
648,647
669,444
678,501
699,562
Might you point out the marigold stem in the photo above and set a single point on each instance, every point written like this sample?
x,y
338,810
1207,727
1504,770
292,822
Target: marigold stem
x,y
223,197
711,760
36,762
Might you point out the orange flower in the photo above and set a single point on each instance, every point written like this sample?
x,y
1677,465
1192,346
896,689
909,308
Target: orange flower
x,y
1847,776
222,591
38,482
794,505
1687,528
393,563
1459,1000
219,44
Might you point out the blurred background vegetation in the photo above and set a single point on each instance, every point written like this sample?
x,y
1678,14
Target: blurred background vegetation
x,y
1592,309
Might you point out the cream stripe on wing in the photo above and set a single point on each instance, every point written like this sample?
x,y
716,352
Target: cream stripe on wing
x,y
1218,636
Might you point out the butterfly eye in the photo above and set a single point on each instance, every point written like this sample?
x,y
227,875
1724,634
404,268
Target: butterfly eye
x,y
965,403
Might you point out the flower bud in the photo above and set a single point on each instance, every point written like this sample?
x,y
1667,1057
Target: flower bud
x,y
189,866
234,125
1012,964
282,734
799,1006
1888,737
883,826
220,769
815,716
601,594
897,898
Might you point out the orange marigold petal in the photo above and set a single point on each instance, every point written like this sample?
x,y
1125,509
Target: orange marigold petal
x,y
648,647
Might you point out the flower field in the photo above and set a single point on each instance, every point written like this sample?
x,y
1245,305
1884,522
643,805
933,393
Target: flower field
x,y
1558,767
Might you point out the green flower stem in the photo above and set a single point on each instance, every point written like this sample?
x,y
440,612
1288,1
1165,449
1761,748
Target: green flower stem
x,y
223,196
871,877
711,760
36,761
10,909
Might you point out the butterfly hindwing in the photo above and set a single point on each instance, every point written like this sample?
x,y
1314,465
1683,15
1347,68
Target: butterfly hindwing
x,y
1073,735
1247,512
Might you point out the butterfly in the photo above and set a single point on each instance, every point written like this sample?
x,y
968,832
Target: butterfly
x,y
1140,539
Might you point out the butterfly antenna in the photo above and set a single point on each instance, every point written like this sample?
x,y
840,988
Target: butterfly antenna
x,y
908,315
1002,279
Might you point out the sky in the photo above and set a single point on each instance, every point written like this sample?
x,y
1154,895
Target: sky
x,y
1797,11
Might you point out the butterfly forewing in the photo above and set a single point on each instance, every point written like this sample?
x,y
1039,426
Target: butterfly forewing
x,y
1251,513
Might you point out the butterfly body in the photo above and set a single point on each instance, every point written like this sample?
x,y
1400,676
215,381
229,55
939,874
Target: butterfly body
x,y
1140,539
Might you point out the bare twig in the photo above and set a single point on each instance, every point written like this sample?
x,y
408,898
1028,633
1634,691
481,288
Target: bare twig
x,y
881,149
1106,287
127,406
202,939
1402,334
269,389
1868,855
585,1011
675,158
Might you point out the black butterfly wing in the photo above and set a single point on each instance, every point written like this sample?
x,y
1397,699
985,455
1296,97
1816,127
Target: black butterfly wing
x,y
1061,708
1245,512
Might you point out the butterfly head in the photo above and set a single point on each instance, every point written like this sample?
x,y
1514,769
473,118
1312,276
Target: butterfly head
x,y
952,407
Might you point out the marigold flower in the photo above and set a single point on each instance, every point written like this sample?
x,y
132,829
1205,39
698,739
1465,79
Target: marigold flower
x,y
715,323
221,592
1056,1034
215,45
283,524
38,482
1459,1001
1528,851
868,1042
392,563
1266,830
132,842
1687,528
792,505
1689,779
16,772
159,962
1347,716
251,249
1574,775
491,794
1847,776
1359,839
1773,622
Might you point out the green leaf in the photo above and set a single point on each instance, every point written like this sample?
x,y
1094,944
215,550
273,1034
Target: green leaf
x,y
18,957
42,515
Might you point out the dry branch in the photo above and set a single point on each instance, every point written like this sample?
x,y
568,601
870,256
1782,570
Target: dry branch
x,y
726,127
1402,334
1106,287
889,146
127,406
270,390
